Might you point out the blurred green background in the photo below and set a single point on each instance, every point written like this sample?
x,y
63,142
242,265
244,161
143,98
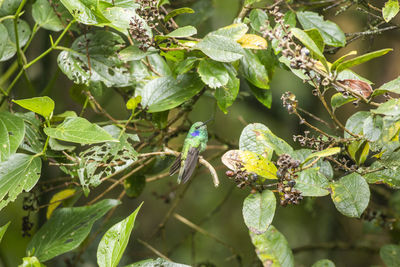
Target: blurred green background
x,y
314,221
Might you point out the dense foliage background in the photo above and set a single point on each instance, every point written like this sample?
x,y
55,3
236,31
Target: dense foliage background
x,y
93,59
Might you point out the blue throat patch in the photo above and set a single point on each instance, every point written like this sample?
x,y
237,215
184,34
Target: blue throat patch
x,y
195,133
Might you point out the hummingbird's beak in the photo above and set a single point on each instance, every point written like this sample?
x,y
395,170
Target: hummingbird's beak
x,y
204,123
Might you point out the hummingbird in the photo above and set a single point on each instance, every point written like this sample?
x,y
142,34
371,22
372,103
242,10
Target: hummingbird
x,y
195,142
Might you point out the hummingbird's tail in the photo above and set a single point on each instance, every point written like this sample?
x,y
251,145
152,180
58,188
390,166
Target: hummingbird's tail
x,y
189,165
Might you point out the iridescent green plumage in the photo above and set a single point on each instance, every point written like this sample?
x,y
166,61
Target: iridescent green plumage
x,y
195,142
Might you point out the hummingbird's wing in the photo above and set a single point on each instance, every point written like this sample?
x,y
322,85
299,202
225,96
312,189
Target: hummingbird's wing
x,y
190,163
175,166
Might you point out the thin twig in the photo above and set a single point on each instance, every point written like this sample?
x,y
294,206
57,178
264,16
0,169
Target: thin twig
x,y
155,251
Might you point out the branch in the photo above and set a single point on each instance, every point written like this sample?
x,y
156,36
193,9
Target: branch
x,y
335,246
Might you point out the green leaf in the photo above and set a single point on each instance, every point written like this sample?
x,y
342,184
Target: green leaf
x,y
177,12
102,48
213,73
329,30
31,262
135,184
389,108
220,48
100,161
263,96
339,100
316,36
3,229
390,254
392,86
86,11
323,263
312,183
253,70
323,153
43,105
310,44
355,123
8,7
79,130
66,229
160,119
233,31
19,173
115,240
185,31
12,132
226,95
8,46
390,10
272,248
258,19
324,167
389,175
372,128
259,210
361,59
44,15
134,53
165,93
185,65
341,59
158,262
258,138
350,195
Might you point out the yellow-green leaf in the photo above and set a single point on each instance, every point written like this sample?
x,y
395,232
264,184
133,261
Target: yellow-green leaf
x,y
133,102
252,41
57,199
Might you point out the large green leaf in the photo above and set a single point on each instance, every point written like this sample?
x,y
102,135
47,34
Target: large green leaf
x,y
220,48
390,10
316,36
389,108
115,240
389,175
158,262
86,11
258,19
79,130
100,49
324,167
177,12
253,70
66,229
372,128
233,31
330,31
213,73
355,123
226,95
165,93
312,183
263,96
12,132
361,59
8,46
350,195
19,173
8,7
258,138
259,210
42,105
100,161
392,86
183,32
3,229
390,254
44,15
272,248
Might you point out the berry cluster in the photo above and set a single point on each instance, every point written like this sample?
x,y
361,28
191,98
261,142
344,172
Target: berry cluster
x,y
139,33
242,178
317,143
289,102
287,167
148,11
